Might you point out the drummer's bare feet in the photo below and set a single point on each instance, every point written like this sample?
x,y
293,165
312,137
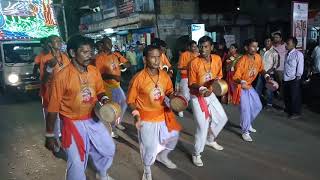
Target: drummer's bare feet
x,y
121,127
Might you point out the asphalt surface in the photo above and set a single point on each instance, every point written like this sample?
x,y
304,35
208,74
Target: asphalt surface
x,y
282,149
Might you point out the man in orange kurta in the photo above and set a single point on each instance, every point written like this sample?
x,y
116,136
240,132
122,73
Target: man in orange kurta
x,y
246,71
75,91
164,61
157,127
108,63
50,65
185,58
208,113
44,51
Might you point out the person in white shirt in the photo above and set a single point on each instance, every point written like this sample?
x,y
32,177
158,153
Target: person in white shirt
x,y
271,61
293,70
280,46
316,58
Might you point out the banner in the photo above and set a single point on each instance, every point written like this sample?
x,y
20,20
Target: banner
x,y
109,9
197,31
229,39
125,7
299,23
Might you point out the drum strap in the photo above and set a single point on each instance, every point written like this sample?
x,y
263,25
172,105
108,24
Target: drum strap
x,y
204,106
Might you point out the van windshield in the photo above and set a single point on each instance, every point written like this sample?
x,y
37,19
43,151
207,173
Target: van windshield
x,y
21,52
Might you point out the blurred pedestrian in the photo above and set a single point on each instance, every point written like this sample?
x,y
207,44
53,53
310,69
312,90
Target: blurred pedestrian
x,y
50,65
280,47
164,61
37,59
132,57
139,53
108,64
271,62
185,58
293,70
316,58
230,63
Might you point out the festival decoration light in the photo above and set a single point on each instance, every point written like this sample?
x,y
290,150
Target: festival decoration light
x,y
27,19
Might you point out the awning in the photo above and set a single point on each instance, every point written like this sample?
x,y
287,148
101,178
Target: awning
x,y
118,24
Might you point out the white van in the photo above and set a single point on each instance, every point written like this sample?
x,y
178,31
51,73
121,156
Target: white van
x,y
16,66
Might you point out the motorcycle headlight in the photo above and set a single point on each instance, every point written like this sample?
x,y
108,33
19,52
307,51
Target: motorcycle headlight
x,y
13,78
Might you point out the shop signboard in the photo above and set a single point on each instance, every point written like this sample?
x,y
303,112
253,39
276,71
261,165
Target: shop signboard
x,y
108,9
299,23
125,7
144,5
197,31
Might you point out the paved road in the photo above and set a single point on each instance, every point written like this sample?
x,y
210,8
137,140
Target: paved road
x,y
282,149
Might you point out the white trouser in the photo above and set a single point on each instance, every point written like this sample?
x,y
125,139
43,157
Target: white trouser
x,y
153,138
184,88
57,130
214,123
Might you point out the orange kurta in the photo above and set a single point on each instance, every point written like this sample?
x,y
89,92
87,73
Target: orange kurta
x,y
184,60
110,64
148,99
164,61
71,98
45,88
201,71
37,59
120,57
247,69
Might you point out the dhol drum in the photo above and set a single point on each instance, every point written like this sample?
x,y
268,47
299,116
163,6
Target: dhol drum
x,y
178,103
220,87
272,85
108,112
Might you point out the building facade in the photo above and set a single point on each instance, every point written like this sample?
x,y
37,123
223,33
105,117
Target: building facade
x,y
129,21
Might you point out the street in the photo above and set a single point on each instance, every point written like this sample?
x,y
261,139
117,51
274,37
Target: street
x,y
282,148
